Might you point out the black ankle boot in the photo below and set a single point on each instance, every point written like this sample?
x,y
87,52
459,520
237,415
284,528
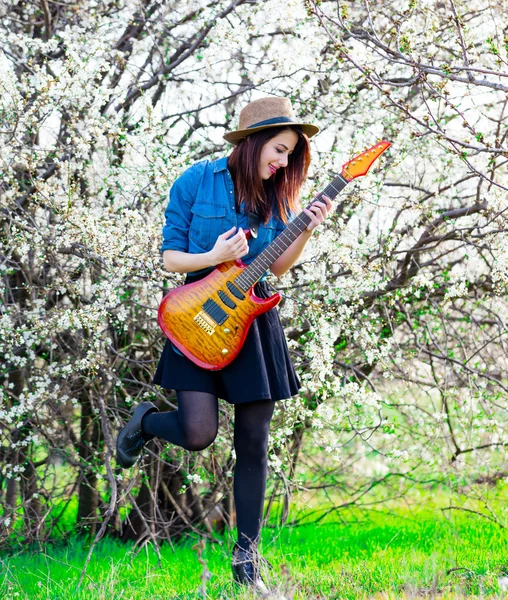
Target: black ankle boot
x,y
131,439
246,568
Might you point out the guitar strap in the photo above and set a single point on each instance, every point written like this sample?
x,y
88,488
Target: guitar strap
x,y
254,220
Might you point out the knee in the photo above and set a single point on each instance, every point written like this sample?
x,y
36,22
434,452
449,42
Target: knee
x,y
253,444
200,440
196,445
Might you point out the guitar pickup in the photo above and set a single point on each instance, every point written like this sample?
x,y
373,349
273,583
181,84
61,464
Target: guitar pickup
x,y
235,291
214,311
226,299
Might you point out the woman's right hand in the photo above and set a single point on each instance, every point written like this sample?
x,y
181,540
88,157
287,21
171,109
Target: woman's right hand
x,y
229,249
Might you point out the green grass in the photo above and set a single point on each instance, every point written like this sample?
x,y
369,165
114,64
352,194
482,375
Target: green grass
x,y
376,555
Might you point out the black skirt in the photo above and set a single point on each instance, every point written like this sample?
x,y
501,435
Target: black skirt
x,y
263,369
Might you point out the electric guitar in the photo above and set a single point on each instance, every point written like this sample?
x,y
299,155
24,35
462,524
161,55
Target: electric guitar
x,y
208,320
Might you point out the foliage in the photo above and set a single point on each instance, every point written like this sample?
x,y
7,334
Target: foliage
x,y
401,551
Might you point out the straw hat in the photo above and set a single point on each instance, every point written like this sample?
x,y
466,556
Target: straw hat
x,y
266,113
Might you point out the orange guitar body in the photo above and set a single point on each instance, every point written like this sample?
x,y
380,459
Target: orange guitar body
x,y
185,316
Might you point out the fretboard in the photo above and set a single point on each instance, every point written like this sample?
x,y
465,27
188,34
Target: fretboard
x,y
282,242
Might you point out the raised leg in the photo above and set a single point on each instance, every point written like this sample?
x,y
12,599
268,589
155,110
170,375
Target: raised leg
x,y
193,426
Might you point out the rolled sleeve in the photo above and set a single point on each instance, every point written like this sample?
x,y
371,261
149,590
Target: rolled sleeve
x,y
178,215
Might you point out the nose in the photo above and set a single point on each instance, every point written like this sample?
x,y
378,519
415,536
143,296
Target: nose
x,y
283,160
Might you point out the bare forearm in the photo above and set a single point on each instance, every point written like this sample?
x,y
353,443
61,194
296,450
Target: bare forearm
x,y
183,262
291,255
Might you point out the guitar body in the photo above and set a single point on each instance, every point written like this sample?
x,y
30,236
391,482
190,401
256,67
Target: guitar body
x,y
208,320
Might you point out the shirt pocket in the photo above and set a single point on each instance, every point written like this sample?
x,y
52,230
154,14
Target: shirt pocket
x,y
207,223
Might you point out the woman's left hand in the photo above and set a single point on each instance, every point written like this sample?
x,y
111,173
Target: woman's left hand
x,y
318,212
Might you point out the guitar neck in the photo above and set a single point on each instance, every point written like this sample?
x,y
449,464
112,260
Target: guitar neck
x,y
281,243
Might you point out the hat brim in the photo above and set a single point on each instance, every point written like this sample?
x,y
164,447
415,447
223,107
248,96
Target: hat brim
x,y
234,137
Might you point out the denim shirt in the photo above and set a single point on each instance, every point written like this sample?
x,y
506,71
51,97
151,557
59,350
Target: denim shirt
x,y
202,206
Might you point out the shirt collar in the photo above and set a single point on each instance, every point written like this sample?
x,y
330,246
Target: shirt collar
x,y
220,164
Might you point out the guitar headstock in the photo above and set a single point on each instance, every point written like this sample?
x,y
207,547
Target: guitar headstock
x,y
361,164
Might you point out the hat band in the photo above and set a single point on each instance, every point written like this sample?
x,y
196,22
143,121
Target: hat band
x,y
274,121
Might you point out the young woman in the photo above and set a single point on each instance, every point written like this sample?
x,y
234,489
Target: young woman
x,y
210,205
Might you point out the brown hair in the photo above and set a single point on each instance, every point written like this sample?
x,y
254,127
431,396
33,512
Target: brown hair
x,y
256,193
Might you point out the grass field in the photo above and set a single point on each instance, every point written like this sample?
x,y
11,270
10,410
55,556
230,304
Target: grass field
x,y
401,553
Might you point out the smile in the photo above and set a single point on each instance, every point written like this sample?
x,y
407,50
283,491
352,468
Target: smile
x,y
272,168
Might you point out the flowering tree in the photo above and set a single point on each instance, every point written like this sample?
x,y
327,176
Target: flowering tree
x,y
420,263
395,315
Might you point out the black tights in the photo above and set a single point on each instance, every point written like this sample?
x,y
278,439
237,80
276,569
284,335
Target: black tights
x,y
194,427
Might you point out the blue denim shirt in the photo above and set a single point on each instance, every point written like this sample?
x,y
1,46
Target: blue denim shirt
x,y
202,206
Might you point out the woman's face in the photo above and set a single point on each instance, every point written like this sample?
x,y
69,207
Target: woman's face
x,y
275,153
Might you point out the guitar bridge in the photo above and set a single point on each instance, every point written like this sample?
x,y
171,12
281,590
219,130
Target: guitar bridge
x,y
204,321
